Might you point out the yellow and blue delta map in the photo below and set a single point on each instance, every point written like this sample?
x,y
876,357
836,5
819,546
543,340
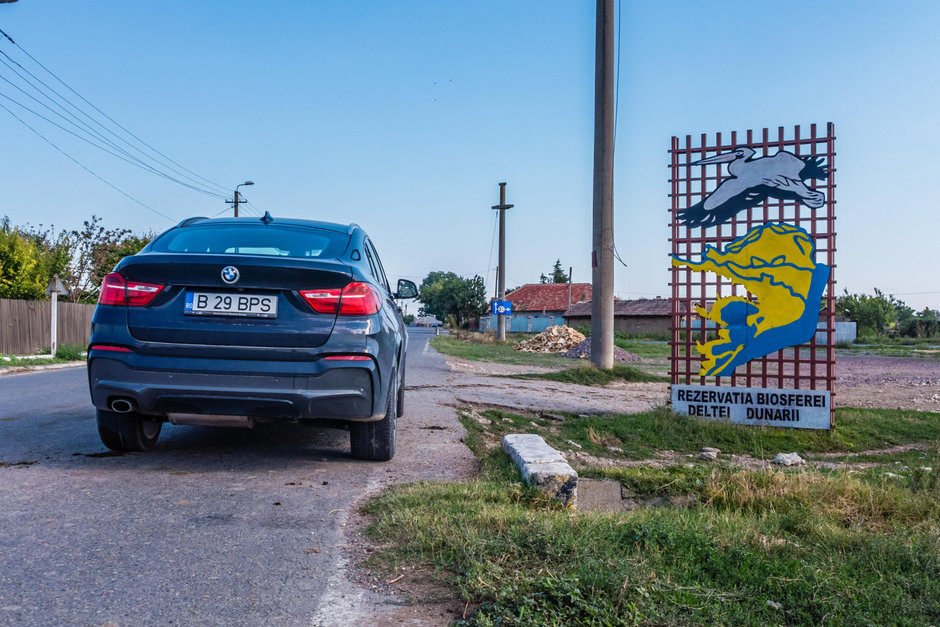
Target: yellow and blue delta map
x,y
776,263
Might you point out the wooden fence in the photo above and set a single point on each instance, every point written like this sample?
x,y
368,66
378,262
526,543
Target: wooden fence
x,y
24,325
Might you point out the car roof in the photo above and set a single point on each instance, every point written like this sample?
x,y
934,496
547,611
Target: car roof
x,y
316,224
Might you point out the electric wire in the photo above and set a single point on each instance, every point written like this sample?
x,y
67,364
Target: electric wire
x,y
94,135
140,165
259,212
109,118
92,119
489,262
74,119
79,164
615,252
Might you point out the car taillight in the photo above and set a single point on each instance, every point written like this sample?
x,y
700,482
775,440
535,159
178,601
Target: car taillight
x,y
108,347
356,299
115,290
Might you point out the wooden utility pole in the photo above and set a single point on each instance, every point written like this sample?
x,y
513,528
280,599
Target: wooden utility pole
x,y
501,269
602,255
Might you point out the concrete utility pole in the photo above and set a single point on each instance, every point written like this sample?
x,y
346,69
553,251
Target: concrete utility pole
x,y
602,256
569,285
501,269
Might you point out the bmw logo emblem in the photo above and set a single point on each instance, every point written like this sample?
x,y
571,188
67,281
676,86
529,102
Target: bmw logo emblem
x,y
230,274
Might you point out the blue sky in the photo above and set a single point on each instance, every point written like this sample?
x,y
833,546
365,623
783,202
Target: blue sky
x,y
404,116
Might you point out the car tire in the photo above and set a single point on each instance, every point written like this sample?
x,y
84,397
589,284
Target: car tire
x,y
400,407
375,441
128,432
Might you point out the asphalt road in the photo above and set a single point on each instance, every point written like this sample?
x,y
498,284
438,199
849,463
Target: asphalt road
x,y
214,526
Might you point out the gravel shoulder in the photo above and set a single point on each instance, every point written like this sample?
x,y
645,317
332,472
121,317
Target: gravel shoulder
x,y
861,381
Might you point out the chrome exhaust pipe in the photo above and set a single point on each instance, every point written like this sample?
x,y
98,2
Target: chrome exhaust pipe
x,y
122,406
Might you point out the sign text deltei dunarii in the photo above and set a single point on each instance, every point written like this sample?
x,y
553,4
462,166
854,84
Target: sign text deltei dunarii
x,y
802,409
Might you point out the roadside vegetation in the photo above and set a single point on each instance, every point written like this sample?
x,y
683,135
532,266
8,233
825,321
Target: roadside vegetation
x,y
65,353
30,256
846,546
851,538
484,347
586,374
641,436
917,348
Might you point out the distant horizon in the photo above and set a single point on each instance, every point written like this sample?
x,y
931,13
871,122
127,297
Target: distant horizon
x,y
403,118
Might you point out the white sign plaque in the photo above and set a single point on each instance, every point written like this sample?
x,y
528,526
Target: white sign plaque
x,y
775,407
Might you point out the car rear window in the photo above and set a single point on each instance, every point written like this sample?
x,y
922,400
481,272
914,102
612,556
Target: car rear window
x,y
249,239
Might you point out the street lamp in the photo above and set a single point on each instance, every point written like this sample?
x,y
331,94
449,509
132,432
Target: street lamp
x,y
235,202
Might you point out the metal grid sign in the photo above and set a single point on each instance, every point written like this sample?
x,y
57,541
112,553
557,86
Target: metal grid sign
x,y
753,260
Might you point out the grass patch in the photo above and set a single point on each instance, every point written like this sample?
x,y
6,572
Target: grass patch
x,y
757,548
63,355
588,375
660,429
70,352
644,349
915,348
793,547
499,352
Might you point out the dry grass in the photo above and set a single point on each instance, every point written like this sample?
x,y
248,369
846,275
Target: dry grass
x,y
603,439
842,498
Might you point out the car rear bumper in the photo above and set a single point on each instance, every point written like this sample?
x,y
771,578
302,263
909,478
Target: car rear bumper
x,y
161,386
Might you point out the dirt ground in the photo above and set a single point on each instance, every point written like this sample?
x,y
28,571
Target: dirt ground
x,y
887,383
861,381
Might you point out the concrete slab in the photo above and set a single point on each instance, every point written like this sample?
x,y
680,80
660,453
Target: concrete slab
x,y
543,466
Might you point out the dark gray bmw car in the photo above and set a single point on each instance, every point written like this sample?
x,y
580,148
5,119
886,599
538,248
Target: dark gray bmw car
x,y
237,320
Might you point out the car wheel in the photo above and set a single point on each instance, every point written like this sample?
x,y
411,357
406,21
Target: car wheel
x,y
128,432
375,441
400,407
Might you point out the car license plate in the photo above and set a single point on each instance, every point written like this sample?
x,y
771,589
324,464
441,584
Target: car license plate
x,y
246,305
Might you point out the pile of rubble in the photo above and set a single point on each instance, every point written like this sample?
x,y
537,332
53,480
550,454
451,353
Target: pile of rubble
x,y
583,351
556,339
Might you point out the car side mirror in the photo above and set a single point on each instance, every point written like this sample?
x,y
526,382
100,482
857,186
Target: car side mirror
x,y
406,289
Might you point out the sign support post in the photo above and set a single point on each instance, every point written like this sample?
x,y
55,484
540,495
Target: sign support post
x,y
56,287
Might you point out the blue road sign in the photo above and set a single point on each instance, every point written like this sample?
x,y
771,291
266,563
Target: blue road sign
x,y
501,307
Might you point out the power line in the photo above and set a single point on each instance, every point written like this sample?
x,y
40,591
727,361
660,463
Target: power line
x,y
76,162
83,126
136,163
259,211
94,135
109,118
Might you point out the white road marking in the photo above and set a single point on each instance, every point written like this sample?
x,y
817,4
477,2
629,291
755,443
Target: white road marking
x,y
427,344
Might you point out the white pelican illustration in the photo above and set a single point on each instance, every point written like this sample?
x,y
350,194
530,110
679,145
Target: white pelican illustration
x,y
752,182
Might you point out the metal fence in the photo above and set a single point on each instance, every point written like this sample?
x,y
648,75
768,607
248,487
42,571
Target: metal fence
x,y
24,325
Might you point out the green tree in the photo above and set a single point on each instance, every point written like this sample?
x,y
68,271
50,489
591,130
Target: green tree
x,y
29,257
873,314
106,255
21,273
446,294
94,251
557,276
925,323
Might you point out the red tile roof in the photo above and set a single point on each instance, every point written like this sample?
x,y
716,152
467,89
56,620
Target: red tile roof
x,y
547,296
639,307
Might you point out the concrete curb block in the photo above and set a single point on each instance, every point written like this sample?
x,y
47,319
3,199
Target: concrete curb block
x,y
543,466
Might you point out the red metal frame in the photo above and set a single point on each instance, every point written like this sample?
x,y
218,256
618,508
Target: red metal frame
x,y
809,366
